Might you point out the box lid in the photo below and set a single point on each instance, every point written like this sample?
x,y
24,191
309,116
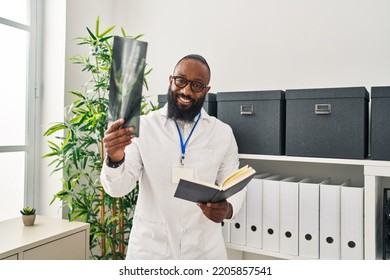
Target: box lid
x,y
210,97
380,92
162,98
316,93
250,95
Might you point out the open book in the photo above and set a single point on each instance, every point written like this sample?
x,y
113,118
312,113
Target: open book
x,y
126,81
197,191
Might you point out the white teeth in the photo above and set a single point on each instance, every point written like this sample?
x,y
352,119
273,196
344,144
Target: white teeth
x,y
184,100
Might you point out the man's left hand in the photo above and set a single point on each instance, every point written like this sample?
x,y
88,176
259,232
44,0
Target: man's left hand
x,y
217,211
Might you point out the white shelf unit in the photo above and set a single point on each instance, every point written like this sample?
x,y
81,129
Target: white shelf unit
x,y
373,175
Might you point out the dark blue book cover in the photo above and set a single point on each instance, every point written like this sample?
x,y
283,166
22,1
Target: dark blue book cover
x,y
197,191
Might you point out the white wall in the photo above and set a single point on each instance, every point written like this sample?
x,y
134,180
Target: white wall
x,y
79,15
266,44
249,44
52,100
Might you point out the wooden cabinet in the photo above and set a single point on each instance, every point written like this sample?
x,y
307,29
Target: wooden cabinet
x,y
373,175
48,239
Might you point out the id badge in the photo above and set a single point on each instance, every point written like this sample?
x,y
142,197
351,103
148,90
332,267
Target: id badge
x,y
181,173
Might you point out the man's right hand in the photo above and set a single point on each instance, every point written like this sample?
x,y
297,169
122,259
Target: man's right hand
x,y
116,140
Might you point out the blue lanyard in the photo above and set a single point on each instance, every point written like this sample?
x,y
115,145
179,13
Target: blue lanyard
x,y
182,143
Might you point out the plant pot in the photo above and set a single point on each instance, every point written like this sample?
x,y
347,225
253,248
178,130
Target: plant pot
x,y
28,220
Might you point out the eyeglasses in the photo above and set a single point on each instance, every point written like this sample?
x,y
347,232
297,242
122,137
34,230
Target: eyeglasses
x,y
181,82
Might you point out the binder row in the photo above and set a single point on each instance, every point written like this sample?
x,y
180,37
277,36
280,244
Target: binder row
x,y
386,224
301,217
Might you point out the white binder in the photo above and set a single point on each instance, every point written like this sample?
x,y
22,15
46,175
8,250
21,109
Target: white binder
x,y
271,213
238,226
330,235
289,191
352,223
309,218
254,211
226,231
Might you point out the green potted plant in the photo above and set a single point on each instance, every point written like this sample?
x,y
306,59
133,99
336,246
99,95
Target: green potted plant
x,y
78,153
28,215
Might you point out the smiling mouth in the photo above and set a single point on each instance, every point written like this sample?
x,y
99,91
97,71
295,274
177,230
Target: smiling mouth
x,y
182,99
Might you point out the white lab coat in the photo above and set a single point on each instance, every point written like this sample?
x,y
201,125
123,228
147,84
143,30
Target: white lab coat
x,y
165,227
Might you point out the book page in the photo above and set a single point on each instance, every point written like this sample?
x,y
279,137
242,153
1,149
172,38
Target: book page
x,y
206,184
234,174
237,176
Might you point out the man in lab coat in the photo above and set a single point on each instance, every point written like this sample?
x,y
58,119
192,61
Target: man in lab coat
x,y
176,140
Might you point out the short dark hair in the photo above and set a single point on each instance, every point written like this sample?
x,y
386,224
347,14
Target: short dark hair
x,y
197,57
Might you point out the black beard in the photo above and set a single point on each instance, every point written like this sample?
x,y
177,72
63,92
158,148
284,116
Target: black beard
x,y
186,115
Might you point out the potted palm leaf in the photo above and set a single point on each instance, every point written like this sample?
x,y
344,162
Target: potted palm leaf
x,y
78,151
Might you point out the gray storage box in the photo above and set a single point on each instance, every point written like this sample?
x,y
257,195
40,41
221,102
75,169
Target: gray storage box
x,y
327,122
257,119
162,99
380,123
210,103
